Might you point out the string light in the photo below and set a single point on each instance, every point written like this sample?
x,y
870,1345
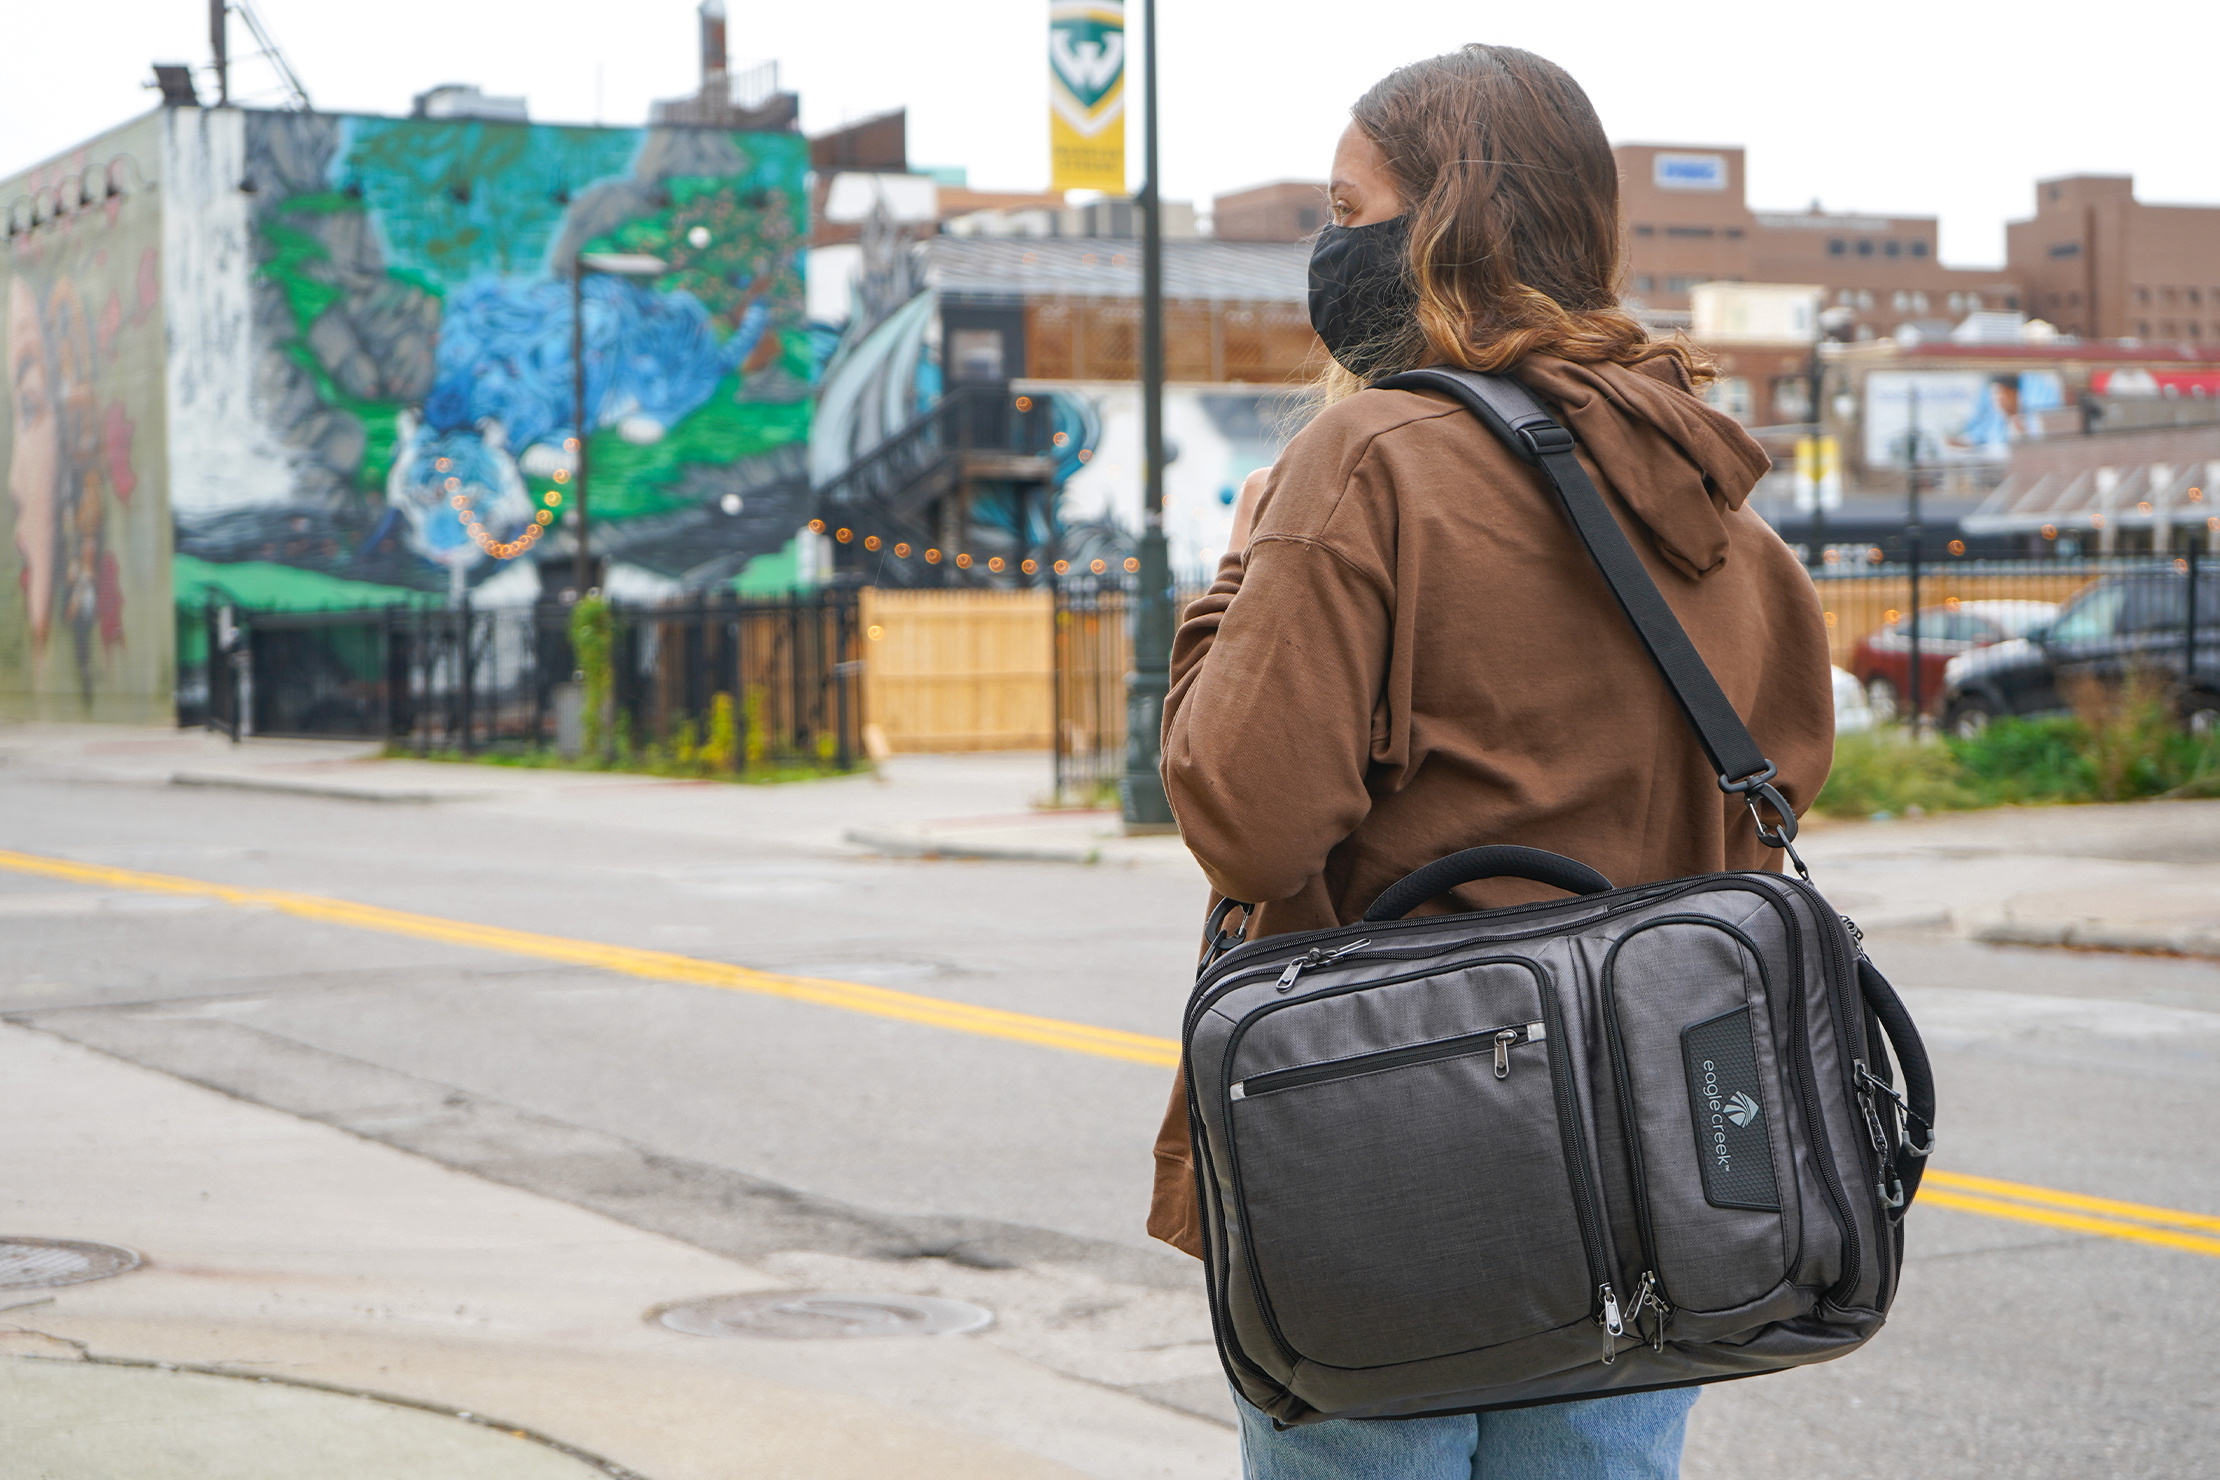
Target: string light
x,y
1098,567
1063,567
995,564
816,526
1030,566
844,535
1131,565
932,557
963,562
871,542
902,551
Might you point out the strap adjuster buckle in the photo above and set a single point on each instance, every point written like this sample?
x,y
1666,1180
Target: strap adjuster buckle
x,y
1544,439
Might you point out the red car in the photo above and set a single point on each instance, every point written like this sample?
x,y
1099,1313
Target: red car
x,y
1883,661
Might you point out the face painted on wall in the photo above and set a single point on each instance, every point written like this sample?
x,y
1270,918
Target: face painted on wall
x,y
35,467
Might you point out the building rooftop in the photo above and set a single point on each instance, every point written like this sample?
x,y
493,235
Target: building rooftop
x,y
1110,267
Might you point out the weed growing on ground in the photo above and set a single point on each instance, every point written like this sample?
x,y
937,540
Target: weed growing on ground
x,y
2121,743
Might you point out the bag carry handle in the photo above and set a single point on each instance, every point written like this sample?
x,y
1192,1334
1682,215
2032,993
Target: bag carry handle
x,y
1498,861
1905,1160
1509,410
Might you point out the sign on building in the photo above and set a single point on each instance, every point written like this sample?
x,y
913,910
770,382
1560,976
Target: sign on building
x,y
1086,95
1691,171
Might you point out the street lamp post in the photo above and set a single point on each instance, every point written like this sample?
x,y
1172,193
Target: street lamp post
x,y
1141,788
614,264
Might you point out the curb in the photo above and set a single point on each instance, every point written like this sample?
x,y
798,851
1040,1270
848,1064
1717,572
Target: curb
x,y
925,846
2102,935
320,789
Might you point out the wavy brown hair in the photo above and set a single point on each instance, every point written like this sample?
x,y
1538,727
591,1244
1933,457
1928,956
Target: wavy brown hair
x,y
1513,198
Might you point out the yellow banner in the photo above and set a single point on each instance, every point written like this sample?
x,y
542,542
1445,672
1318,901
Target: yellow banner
x,y
1086,95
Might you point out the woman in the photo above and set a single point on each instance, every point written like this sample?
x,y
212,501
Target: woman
x,y
1407,652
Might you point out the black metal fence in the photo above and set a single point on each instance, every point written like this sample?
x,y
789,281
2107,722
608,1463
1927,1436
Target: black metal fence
x,y
1095,618
466,680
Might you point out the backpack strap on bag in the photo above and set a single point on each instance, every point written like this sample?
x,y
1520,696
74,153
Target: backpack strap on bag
x,y
1510,411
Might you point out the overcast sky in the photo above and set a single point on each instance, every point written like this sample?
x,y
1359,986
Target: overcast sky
x,y
1951,108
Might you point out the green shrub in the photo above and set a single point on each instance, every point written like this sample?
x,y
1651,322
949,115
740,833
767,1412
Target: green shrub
x,y
1883,771
722,749
2027,760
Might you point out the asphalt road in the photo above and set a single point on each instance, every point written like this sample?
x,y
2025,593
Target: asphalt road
x,y
2023,1348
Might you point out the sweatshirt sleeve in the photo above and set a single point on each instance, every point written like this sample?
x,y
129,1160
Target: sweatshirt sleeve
x,y
1276,672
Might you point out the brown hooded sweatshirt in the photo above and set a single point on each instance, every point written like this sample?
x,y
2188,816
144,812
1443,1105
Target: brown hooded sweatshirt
x,y
1416,655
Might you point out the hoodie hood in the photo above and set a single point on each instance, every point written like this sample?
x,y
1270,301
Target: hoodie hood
x,y
1679,465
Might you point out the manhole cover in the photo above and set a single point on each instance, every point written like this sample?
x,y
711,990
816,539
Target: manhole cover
x,y
41,1263
806,1314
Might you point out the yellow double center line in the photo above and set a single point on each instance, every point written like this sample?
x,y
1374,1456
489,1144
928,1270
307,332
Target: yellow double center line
x,y
662,966
2195,1233
2169,1228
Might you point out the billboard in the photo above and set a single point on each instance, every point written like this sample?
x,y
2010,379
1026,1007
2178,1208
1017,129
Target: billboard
x,y
1690,171
1086,95
1953,416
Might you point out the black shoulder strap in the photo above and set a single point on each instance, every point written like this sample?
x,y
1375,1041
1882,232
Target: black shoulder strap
x,y
1509,410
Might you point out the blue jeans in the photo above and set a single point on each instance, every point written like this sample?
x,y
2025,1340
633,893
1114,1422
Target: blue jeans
x,y
1636,1436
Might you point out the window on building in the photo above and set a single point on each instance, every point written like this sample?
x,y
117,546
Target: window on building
x,y
2143,328
1836,246
1682,284
1865,297
1865,248
2065,249
2194,297
2166,329
1645,284
1731,394
1307,218
1688,231
2073,300
1893,249
1957,302
1734,233
1973,303
1919,249
2142,295
1900,300
1919,303
1645,231
2166,296
2054,300
1791,398
2012,301
2193,330
1847,298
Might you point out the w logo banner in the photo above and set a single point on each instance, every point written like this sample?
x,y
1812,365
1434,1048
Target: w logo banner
x,y
1086,89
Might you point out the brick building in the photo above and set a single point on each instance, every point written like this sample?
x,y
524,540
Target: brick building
x,y
1284,211
1688,223
2099,263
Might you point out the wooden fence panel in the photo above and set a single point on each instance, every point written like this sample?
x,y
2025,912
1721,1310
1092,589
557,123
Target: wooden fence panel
x,y
960,670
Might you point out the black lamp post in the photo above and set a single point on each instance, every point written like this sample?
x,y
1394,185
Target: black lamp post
x,y
615,264
1141,788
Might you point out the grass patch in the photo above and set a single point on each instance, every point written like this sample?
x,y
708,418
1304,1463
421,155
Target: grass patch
x,y
650,760
2120,744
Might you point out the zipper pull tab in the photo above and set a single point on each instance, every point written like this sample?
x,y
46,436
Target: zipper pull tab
x,y
1614,1325
1315,956
1503,1042
1651,1295
1857,936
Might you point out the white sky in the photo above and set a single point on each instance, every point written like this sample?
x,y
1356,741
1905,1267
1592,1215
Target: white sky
x,y
1945,107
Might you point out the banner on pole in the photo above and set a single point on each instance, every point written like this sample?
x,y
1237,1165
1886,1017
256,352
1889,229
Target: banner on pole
x,y
1086,95
1818,473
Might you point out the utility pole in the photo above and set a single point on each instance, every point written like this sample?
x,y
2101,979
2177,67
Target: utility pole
x,y
581,565
1141,788
1911,539
1816,527
219,47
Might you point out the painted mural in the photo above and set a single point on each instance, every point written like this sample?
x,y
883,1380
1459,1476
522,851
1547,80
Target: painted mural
x,y
397,418
85,620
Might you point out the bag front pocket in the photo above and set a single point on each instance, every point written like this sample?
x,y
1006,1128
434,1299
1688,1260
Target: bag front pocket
x,y
1415,1201
1700,1104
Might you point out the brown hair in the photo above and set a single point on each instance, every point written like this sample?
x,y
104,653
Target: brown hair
x,y
1512,195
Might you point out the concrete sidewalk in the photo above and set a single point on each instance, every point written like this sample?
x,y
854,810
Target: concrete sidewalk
x,y
313,1303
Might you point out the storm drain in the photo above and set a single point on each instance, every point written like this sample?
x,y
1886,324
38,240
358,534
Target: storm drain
x,y
42,1263
801,1315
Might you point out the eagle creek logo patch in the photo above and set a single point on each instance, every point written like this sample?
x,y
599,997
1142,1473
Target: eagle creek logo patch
x,y
1727,1111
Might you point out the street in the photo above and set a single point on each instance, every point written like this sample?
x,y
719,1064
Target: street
x,y
861,1139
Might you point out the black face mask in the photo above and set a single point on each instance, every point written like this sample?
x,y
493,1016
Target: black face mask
x,y
1360,302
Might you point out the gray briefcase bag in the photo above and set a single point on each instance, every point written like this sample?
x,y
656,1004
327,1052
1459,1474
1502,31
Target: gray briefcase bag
x,y
1632,1139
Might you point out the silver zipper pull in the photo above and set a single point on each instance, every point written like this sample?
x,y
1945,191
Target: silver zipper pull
x,y
1652,1296
1315,956
1503,1042
1614,1325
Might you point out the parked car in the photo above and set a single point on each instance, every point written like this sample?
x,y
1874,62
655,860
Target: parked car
x,y
2116,626
1883,660
1853,716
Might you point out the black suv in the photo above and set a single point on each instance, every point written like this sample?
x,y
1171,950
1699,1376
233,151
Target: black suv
x,y
2117,625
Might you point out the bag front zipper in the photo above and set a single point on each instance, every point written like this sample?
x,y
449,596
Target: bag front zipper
x,y
1498,1040
1587,1204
